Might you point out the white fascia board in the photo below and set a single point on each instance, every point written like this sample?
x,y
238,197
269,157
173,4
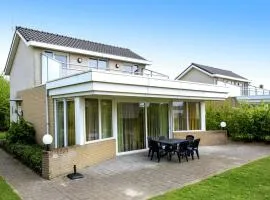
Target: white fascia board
x,y
231,78
86,52
11,54
190,68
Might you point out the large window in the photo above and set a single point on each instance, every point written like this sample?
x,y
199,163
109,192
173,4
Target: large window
x,y
194,116
97,63
131,126
60,123
91,119
180,116
98,119
65,123
106,118
157,120
186,116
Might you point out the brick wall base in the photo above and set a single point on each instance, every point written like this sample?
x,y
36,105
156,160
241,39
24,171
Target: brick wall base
x,y
61,161
208,138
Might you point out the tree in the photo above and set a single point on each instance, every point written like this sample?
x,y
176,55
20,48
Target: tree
x,y
4,103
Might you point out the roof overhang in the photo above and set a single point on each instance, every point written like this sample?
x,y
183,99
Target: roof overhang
x,y
12,52
96,82
209,74
17,37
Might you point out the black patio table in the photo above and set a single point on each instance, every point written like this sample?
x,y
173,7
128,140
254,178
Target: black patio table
x,y
170,142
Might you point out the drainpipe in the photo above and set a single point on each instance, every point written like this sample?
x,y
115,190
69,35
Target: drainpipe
x,y
47,111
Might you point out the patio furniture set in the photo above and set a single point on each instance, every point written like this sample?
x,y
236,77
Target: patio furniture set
x,y
183,148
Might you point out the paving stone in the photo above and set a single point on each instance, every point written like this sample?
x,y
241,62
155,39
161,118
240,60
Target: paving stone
x,y
131,177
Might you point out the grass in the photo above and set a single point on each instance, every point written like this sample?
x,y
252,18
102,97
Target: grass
x,y
251,181
6,192
2,135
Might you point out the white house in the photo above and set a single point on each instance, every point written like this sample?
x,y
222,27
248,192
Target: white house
x,y
98,100
204,74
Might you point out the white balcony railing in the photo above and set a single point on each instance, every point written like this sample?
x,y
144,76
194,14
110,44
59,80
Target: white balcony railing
x,y
53,69
254,91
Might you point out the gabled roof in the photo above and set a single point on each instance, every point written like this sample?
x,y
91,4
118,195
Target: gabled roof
x,y
57,42
55,39
213,72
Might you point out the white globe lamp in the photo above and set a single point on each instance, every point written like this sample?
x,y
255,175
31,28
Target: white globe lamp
x,y
223,125
47,140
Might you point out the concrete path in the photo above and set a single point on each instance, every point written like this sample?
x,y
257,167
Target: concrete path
x,y
128,177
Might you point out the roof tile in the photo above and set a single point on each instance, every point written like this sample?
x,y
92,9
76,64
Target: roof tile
x,y
55,39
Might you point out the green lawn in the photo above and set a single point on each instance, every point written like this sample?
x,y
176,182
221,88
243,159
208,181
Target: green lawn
x,y
249,182
6,193
2,135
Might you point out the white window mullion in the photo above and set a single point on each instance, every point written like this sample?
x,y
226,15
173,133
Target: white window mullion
x,y
99,119
65,123
187,116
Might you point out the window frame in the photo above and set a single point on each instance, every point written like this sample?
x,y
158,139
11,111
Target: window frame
x,y
64,101
187,117
100,123
97,62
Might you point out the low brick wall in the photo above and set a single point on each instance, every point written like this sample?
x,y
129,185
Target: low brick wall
x,y
208,138
60,161
34,109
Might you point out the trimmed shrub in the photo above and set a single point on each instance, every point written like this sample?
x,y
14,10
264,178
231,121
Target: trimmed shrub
x,y
244,123
21,132
30,155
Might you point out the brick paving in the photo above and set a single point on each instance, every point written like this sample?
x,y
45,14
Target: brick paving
x,y
128,177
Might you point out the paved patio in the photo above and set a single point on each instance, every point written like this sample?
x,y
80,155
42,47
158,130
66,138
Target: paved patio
x,y
128,177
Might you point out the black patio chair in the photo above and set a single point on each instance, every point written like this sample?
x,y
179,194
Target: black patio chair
x,y
162,137
155,149
149,141
194,147
182,151
190,138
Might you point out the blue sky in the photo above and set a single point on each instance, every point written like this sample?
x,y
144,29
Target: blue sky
x,y
233,35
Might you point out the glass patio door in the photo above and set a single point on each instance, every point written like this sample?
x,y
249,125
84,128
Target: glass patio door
x,y
157,120
131,126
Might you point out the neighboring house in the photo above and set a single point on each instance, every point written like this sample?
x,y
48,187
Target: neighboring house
x,y
98,100
204,74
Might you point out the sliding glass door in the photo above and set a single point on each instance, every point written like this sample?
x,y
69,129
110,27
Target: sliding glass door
x,y
131,126
157,120
65,123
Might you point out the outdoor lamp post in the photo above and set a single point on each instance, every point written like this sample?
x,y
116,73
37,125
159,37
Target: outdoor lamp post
x,y
47,140
223,125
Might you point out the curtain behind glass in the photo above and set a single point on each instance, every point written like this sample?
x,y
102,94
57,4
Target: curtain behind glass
x,y
179,116
71,123
91,119
60,123
131,126
106,118
157,120
194,113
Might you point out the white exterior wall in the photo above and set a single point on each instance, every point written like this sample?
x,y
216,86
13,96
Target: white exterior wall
x,y
195,75
22,75
234,90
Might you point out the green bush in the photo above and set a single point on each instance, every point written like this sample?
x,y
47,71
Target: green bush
x,y
244,123
30,155
4,104
21,132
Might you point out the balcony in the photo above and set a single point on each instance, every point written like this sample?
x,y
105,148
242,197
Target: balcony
x,y
254,95
53,69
